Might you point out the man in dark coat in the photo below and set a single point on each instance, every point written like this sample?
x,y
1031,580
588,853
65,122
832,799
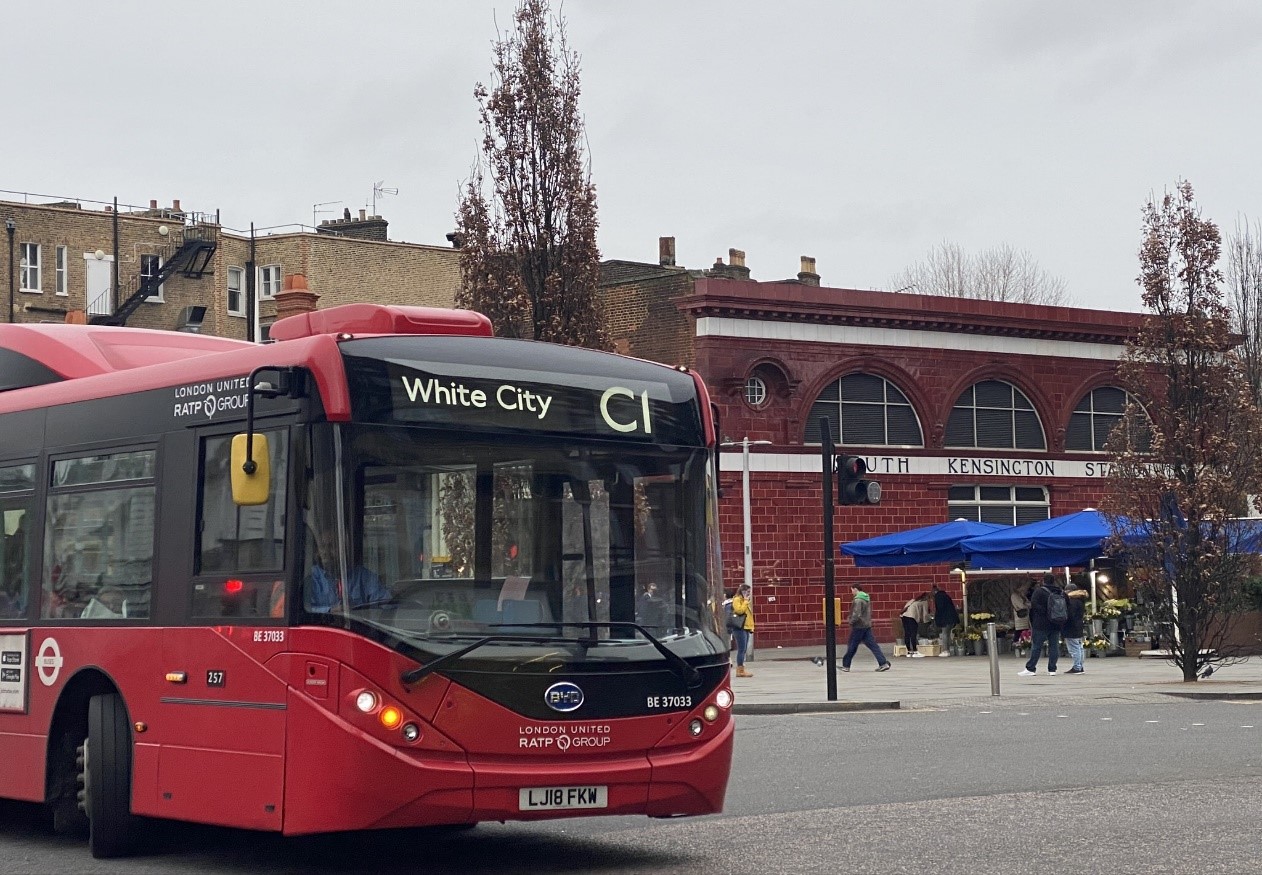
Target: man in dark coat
x,y
1043,628
1073,630
945,617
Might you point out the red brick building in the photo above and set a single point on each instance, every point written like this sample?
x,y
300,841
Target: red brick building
x,y
963,408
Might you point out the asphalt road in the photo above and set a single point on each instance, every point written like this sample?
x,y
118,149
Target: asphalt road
x,y
1085,786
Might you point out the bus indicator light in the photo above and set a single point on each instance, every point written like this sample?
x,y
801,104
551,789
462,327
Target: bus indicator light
x,y
232,587
390,717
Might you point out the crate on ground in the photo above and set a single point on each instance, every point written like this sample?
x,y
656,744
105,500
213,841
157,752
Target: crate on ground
x,y
930,649
900,649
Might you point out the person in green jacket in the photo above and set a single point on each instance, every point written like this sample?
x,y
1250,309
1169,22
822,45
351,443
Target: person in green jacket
x,y
861,630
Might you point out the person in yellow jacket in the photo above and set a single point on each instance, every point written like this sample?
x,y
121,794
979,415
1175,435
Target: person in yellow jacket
x,y
743,604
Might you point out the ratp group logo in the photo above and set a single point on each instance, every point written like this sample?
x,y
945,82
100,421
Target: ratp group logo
x,y
563,697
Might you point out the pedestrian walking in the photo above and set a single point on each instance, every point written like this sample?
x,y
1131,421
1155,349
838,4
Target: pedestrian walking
x,y
945,616
861,630
1049,611
915,612
743,605
1073,630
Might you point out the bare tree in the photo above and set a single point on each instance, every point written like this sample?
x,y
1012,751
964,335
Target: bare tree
x,y
1000,273
527,221
1184,464
1244,290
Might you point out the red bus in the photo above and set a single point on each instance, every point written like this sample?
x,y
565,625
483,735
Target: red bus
x,y
385,571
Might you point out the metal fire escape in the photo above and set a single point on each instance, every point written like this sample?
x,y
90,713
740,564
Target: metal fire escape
x,y
188,254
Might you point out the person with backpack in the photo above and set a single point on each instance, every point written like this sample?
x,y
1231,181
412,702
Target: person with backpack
x,y
1049,612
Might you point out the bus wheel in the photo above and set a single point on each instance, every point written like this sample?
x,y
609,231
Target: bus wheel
x,y
105,771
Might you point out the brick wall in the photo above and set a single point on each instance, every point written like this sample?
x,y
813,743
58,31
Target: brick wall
x,y
339,269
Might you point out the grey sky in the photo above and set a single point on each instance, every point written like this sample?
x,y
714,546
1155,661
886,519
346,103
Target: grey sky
x,y
859,133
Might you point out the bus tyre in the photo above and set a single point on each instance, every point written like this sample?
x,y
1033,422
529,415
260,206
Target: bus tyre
x,y
107,778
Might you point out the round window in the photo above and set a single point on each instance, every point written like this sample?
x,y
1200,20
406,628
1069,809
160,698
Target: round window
x,y
755,392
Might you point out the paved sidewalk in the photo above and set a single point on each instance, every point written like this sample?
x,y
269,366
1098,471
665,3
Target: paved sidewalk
x,y
785,681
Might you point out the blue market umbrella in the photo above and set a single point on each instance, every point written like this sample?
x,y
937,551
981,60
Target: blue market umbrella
x,y
1070,540
926,545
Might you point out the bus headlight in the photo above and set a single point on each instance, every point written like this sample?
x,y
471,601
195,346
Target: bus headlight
x,y
411,732
366,701
723,698
711,713
694,728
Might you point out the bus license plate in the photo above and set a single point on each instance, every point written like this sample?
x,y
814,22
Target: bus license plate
x,y
553,798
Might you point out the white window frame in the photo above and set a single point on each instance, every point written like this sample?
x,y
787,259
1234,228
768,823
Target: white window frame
x,y
62,271
239,273
964,507
269,281
755,391
31,273
157,263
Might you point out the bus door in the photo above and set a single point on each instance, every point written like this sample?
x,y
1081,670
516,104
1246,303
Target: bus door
x,y
223,760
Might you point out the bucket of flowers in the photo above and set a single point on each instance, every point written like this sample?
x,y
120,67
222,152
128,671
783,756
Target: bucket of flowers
x,y
1096,645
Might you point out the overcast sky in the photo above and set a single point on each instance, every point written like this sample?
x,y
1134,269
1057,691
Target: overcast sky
x,y
860,133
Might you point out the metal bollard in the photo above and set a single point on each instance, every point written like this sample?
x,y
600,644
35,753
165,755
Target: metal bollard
x,y
992,651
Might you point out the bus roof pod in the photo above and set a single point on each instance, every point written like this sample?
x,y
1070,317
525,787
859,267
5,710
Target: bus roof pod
x,y
74,351
382,319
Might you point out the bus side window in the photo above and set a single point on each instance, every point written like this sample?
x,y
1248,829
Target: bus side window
x,y
238,544
98,542
17,486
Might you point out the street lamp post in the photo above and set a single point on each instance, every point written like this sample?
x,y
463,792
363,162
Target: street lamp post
x,y
745,444
10,226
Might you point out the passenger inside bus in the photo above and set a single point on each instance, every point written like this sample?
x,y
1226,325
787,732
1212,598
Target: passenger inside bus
x,y
324,585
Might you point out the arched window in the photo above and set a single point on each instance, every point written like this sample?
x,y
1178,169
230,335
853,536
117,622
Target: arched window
x,y
1099,411
865,410
995,415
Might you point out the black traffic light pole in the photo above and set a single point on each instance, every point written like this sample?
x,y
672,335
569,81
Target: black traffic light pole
x,y
830,589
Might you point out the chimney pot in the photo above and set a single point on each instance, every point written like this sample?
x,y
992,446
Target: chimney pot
x,y
153,203
175,204
363,214
807,274
666,251
736,257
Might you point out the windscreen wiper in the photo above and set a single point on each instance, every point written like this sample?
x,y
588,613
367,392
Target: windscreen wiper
x,y
680,666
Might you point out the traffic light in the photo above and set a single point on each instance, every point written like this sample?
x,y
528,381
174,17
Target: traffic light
x,y
852,485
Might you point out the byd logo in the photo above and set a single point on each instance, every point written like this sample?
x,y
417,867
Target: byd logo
x,y
563,697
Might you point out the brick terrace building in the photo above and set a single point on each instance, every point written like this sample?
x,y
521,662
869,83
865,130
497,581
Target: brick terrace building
x,y
962,408
80,260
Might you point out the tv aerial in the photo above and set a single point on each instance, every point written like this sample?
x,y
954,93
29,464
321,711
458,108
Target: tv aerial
x,y
379,189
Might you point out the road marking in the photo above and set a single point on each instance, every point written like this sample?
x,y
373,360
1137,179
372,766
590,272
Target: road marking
x,y
1106,718
1152,721
1198,724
